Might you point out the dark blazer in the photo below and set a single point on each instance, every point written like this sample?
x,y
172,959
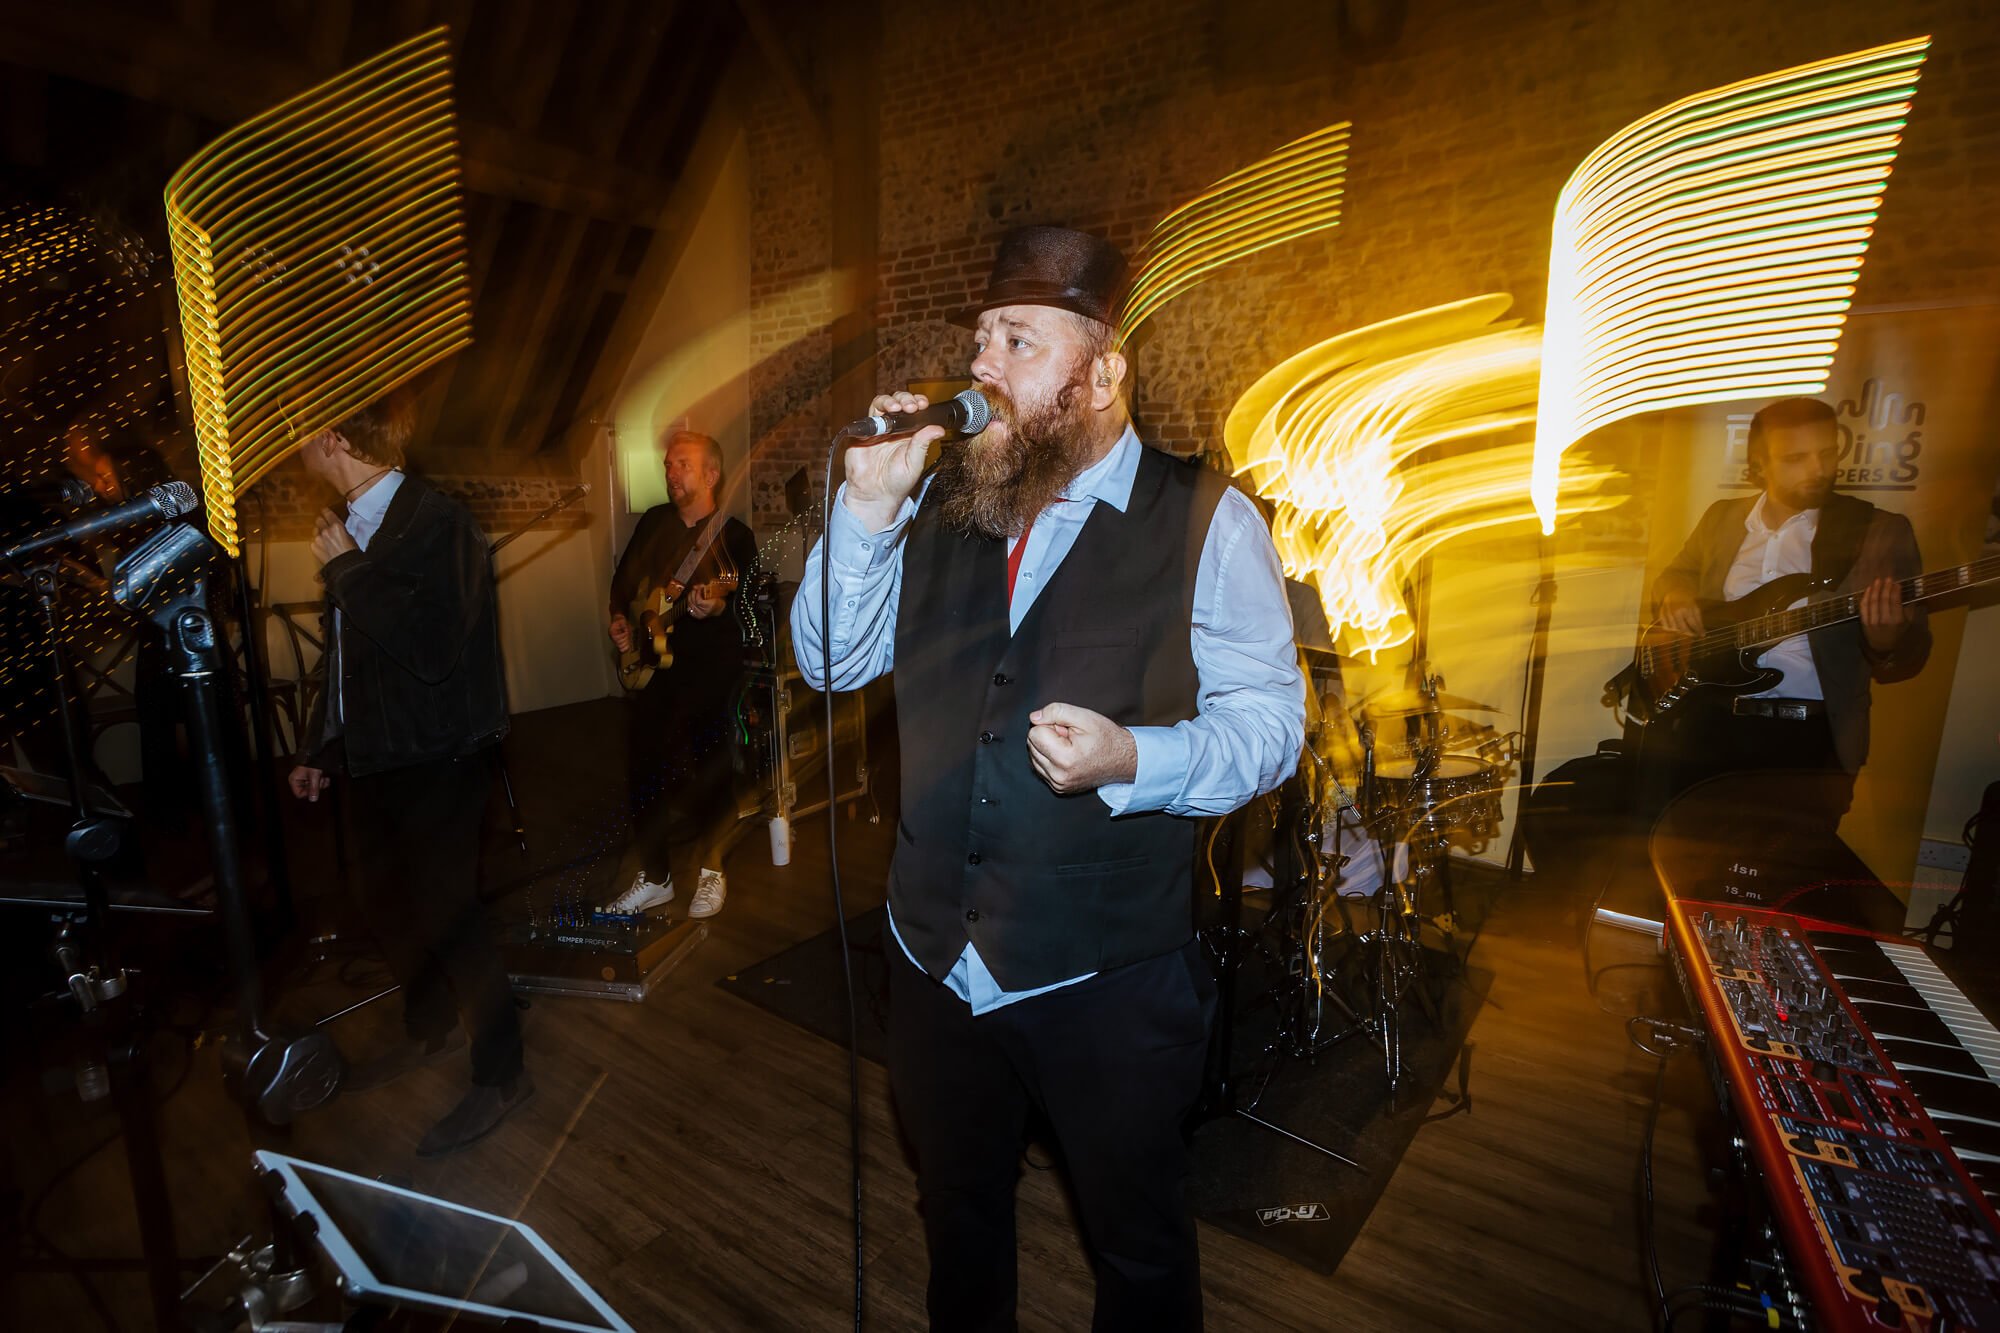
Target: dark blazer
x,y
1856,544
419,652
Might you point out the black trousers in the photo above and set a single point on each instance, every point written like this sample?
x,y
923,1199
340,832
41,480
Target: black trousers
x,y
1114,1064
680,782
415,835
1708,741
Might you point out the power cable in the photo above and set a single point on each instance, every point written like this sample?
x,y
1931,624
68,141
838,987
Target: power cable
x,y
833,866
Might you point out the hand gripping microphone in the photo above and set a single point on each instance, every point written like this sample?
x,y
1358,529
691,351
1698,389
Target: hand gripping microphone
x,y
966,414
168,501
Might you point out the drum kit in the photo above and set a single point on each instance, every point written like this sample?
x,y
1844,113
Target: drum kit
x,y
1361,863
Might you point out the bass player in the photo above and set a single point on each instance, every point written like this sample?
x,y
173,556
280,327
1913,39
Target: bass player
x,y
1816,716
679,772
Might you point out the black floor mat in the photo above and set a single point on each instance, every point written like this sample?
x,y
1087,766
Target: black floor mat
x,y
1247,1179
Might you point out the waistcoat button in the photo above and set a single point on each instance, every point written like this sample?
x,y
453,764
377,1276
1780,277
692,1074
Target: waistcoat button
x,y
986,738
973,859
972,914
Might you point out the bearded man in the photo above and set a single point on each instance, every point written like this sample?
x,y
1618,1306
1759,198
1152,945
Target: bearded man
x,y
1815,718
1091,648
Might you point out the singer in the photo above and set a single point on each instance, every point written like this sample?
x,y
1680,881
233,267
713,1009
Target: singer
x,y
1091,647
413,702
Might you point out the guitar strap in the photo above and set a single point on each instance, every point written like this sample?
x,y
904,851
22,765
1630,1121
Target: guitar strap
x,y
713,526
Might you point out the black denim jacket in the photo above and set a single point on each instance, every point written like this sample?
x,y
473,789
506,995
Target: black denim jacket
x,y
419,651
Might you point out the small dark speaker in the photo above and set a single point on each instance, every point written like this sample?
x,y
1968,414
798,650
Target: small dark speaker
x,y
1976,935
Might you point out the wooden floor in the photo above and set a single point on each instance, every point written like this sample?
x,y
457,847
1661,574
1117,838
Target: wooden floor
x,y
688,1156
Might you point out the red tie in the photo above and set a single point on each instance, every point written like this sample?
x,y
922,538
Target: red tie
x,y
1014,560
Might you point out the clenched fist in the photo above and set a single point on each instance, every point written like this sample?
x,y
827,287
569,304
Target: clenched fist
x,y
331,537
1074,749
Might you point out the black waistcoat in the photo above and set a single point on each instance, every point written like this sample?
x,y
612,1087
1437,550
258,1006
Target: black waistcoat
x,y
1048,887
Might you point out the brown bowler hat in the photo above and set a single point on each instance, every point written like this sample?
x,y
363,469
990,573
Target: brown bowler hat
x,y
1071,270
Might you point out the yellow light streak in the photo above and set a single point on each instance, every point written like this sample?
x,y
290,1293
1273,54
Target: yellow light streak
x,y
1291,193
319,250
1381,445
1710,251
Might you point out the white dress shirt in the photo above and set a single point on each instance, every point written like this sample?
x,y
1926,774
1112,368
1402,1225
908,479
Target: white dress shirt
x,y
1768,553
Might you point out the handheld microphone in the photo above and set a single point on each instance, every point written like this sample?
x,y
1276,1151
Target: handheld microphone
x,y
168,501
967,414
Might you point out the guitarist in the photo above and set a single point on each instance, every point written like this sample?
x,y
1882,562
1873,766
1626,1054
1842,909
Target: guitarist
x,y
1816,717
679,782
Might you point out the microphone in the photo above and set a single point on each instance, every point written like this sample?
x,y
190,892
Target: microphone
x,y
168,501
67,493
966,414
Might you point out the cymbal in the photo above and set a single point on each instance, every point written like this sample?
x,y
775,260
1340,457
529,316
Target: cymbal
x,y
1411,703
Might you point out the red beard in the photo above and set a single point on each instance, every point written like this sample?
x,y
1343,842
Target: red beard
x,y
995,483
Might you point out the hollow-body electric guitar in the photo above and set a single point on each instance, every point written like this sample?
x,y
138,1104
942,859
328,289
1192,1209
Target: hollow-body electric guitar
x,y
1669,666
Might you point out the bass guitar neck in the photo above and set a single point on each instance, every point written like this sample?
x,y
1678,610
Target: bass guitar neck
x,y
1669,666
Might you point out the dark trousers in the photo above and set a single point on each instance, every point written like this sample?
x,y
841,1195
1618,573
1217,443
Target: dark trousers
x,y
415,836
1114,1064
680,784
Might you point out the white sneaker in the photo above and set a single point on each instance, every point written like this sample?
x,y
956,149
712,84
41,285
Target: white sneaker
x,y
643,894
708,894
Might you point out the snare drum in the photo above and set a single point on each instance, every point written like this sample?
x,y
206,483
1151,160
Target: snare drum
x,y
1460,793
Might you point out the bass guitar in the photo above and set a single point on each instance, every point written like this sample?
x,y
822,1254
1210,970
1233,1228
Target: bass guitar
x,y
1669,666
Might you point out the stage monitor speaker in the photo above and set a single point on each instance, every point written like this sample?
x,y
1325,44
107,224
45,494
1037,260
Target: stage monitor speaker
x,y
395,1247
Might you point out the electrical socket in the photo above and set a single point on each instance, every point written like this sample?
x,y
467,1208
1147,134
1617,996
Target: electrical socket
x,y
1940,855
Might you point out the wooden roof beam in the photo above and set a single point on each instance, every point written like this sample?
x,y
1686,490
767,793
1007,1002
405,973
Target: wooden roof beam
x,y
777,53
162,63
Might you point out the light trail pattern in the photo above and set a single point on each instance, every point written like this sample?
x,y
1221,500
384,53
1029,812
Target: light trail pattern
x,y
320,255
1710,251
1380,445
1291,193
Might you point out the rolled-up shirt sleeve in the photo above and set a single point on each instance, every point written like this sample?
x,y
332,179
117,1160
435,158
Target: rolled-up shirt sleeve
x,y
1250,724
865,572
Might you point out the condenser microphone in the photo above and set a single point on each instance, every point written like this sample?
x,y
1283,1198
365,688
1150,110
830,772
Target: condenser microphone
x,y
966,414
162,502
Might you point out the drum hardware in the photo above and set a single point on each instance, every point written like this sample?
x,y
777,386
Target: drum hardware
x,y
1436,787
1226,943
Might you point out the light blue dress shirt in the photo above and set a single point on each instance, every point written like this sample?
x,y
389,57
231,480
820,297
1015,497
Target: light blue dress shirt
x,y
1246,736
365,514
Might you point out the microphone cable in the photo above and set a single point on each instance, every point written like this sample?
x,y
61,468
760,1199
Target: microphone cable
x,y
833,861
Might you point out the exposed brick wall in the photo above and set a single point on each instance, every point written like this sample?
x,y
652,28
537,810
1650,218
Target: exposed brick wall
x,y
1110,115
791,299
289,501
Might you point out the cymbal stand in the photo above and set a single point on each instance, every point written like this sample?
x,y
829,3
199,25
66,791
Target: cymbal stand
x,y
1399,968
1219,1099
1302,1016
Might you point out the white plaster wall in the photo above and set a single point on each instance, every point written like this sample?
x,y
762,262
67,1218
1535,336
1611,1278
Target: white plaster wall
x,y
693,362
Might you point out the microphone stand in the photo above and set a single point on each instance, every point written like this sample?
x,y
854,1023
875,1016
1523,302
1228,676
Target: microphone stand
x,y
101,988
279,865
166,578
1531,721
567,499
